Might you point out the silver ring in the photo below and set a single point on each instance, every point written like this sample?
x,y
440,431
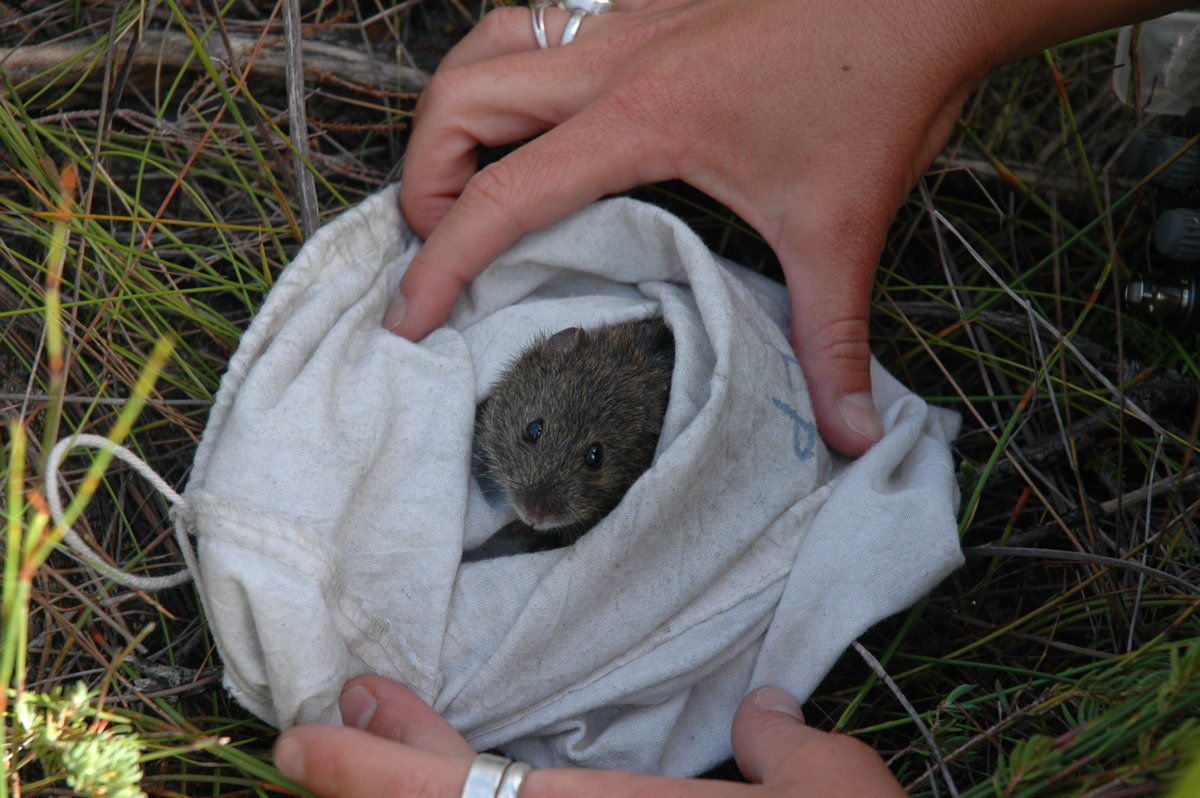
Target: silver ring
x,y
485,775
514,777
573,26
578,8
539,22
493,776
593,8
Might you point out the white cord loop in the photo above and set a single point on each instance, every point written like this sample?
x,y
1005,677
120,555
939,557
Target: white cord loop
x,y
83,552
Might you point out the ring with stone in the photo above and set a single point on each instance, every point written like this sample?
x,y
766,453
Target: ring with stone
x,y
592,8
572,26
578,9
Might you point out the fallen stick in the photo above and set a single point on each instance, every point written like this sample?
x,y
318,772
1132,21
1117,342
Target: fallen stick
x,y
323,63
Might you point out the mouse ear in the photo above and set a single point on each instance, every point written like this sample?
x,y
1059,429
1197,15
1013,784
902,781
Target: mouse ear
x,y
565,342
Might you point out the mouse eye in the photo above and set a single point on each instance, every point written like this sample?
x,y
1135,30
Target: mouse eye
x,y
594,456
533,431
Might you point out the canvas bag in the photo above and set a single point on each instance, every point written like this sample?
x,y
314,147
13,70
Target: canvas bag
x,y
331,499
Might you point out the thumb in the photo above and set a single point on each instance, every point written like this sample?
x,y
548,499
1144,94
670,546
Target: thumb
x,y
767,729
773,747
829,285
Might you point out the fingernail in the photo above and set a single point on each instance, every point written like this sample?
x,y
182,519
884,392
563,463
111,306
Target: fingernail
x,y
395,313
772,699
289,758
358,706
858,411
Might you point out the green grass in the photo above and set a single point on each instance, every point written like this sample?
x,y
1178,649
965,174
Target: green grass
x,y
144,216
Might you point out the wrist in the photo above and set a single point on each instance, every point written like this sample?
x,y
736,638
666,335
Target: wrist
x,y
1022,28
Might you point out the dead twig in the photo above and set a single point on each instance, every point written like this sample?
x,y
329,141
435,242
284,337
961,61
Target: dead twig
x,y
297,118
1081,557
323,63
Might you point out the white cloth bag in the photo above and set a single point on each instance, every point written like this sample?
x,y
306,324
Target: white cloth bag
x,y
331,497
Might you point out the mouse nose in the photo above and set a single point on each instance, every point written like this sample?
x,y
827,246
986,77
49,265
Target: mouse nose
x,y
536,509
535,516
535,513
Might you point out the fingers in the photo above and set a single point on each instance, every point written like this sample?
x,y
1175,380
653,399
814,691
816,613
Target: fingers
x,y
509,30
490,103
830,338
829,259
339,762
773,747
495,87
768,728
398,746
390,710
581,160
502,31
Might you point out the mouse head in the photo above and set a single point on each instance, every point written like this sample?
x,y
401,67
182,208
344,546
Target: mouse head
x,y
570,427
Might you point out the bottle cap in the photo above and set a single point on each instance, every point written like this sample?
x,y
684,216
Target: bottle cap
x,y
1177,234
1150,148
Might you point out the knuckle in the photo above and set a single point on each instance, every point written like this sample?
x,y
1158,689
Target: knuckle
x,y
640,99
444,88
668,118
644,37
425,276
654,88
842,340
502,22
494,190
636,113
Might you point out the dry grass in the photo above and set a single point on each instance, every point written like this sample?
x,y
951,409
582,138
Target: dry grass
x,y
1063,659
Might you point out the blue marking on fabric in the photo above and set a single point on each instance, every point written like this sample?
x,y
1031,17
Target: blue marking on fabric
x,y
789,360
801,428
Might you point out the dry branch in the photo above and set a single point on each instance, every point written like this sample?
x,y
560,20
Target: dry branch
x,y
324,63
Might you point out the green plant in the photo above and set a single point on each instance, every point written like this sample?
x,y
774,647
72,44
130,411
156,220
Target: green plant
x,y
93,754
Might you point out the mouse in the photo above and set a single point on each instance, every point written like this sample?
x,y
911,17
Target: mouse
x,y
570,425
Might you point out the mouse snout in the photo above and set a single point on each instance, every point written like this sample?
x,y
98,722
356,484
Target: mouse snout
x,y
540,510
535,516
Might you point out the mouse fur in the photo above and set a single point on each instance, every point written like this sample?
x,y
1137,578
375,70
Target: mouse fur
x,y
569,427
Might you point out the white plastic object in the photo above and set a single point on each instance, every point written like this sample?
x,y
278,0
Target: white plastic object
x,y
1168,54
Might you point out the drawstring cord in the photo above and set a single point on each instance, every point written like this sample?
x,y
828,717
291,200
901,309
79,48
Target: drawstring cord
x,y
180,512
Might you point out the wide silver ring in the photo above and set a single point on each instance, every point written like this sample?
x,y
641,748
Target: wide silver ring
x,y
494,776
514,777
578,8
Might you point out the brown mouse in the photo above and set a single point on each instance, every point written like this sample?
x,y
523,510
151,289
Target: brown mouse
x,y
569,427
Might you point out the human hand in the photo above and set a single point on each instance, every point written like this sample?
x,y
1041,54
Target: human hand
x,y
809,118
401,747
